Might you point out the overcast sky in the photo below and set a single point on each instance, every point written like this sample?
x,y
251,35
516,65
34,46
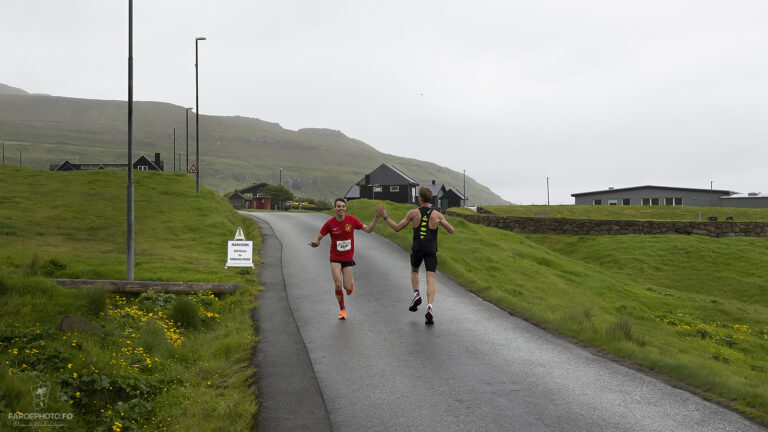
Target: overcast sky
x,y
591,94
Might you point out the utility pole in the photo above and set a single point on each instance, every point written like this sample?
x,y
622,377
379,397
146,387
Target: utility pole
x,y
547,190
465,187
186,115
174,149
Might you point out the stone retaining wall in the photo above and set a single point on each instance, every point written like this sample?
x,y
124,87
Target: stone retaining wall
x,y
547,225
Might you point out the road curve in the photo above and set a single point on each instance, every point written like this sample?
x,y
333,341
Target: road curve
x,y
476,369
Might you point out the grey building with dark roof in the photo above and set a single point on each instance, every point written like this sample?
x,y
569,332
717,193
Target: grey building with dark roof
x,y
649,195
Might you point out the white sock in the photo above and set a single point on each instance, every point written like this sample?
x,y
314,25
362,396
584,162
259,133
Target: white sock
x,y
429,306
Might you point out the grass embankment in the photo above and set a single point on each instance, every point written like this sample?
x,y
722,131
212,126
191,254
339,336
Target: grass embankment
x,y
689,307
660,213
164,362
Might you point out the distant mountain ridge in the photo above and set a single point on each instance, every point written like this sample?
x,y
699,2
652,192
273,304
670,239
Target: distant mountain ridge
x,y
8,90
235,151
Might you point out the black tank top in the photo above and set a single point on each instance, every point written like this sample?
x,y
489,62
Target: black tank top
x,y
424,238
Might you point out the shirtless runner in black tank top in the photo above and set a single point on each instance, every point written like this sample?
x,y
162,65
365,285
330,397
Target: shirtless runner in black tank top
x,y
425,223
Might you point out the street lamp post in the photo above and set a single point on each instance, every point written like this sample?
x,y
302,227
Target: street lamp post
x,y
197,123
186,116
129,216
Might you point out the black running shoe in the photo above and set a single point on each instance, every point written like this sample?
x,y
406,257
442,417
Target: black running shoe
x,y
428,318
415,303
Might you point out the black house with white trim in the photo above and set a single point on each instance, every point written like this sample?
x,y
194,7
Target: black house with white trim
x,y
385,183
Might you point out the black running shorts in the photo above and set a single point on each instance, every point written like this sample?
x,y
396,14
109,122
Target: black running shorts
x,y
429,258
344,264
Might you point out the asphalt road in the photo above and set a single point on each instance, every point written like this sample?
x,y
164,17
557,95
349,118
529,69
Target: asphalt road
x,y
476,369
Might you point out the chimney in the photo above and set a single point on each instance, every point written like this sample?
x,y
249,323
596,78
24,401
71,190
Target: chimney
x,y
158,162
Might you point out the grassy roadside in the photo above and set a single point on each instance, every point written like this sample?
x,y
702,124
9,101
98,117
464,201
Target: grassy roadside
x,y
659,213
691,308
163,362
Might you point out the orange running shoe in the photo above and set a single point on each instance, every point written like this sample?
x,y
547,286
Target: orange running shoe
x,y
352,288
343,314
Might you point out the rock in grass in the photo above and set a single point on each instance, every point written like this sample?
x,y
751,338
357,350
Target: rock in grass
x,y
71,322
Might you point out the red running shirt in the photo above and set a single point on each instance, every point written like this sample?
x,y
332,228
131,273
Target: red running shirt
x,y
342,237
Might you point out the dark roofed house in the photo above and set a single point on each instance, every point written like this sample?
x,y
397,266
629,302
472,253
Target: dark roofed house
x,y
454,198
386,183
144,164
438,192
141,164
238,201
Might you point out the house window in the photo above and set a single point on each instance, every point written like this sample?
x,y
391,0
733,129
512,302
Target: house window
x,y
394,188
645,201
669,201
377,188
597,202
626,201
613,201
654,201
142,168
679,201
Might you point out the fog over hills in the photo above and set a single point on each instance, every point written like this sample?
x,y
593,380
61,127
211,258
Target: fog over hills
x,y
234,151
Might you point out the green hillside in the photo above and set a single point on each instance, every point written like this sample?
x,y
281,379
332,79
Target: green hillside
x,y
689,309
234,151
164,361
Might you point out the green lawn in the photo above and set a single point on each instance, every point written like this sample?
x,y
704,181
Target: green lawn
x,y
689,307
661,213
164,362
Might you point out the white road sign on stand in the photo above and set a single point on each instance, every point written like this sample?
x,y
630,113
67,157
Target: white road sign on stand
x,y
239,251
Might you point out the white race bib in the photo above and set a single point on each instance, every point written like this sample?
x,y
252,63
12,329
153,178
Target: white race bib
x,y
343,245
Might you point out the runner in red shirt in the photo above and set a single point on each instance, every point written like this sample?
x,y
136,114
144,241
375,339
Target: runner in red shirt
x,y
342,229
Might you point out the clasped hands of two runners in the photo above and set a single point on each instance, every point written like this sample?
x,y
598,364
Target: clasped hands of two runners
x,y
381,211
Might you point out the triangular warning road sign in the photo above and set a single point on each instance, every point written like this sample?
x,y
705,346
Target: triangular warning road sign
x,y
193,169
239,235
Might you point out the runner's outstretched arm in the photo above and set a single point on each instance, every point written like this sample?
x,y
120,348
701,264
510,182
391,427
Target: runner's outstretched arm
x,y
444,223
369,228
316,242
396,226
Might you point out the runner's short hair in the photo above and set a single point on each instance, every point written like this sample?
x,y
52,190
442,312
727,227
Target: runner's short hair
x,y
425,194
339,199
